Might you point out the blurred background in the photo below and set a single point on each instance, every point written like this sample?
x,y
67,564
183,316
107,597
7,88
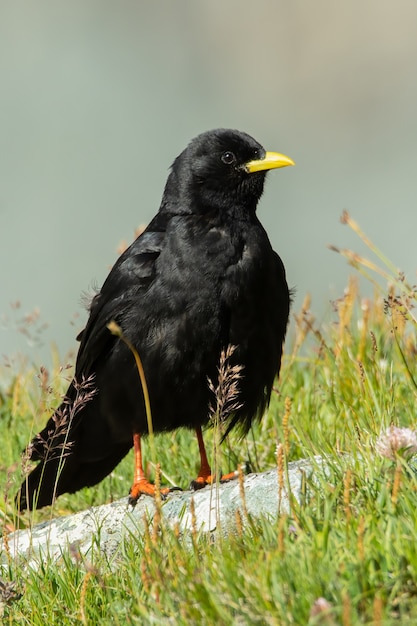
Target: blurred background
x,y
98,97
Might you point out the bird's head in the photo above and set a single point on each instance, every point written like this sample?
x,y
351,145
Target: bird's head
x,y
220,169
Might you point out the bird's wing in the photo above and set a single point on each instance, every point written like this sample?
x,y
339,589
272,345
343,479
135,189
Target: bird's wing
x,y
131,275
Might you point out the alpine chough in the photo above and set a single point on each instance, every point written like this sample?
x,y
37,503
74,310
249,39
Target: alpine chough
x,y
201,277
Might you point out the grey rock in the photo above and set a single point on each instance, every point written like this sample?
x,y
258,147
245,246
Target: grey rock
x,y
103,528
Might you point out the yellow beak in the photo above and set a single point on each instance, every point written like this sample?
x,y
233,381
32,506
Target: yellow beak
x,y
271,161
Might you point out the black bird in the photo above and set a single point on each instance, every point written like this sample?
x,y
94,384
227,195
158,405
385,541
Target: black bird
x,y
202,276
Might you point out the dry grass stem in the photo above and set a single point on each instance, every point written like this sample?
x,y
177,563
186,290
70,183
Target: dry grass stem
x,y
226,389
281,476
346,492
57,444
285,425
241,479
396,484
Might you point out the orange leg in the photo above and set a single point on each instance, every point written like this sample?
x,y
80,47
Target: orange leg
x,y
140,483
205,477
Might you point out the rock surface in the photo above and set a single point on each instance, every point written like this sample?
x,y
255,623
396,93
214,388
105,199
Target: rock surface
x,y
214,507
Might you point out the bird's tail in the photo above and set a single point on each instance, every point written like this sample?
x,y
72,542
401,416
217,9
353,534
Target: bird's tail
x,y
67,474
42,485
63,466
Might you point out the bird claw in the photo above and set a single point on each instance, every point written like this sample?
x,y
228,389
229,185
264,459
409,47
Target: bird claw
x,y
202,481
147,488
197,484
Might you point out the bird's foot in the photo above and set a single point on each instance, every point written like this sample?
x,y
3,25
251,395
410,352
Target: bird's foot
x,y
145,487
203,481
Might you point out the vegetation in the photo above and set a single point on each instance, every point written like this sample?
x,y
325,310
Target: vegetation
x,y
346,555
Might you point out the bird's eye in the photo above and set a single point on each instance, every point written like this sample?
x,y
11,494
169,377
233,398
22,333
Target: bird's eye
x,y
228,158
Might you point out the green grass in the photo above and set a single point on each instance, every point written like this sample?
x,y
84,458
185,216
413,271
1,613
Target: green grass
x,y
352,540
